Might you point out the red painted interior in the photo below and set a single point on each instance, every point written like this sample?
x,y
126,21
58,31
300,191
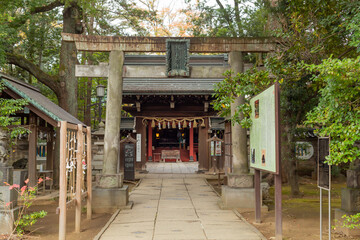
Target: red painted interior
x,y
191,153
184,154
150,138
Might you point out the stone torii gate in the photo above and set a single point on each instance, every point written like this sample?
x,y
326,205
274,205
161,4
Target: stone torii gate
x,y
116,45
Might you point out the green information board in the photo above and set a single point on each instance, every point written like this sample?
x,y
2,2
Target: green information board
x,y
264,142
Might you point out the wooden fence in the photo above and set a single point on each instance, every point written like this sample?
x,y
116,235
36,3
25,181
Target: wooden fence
x,y
75,173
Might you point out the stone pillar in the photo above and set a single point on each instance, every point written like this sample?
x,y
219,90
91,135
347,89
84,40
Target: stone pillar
x,y
240,191
191,140
350,201
109,194
150,153
9,212
113,112
239,136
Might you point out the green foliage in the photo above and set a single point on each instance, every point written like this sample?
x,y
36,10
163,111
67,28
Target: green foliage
x,y
338,112
352,221
239,19
27,196
8,107
245,84
28,220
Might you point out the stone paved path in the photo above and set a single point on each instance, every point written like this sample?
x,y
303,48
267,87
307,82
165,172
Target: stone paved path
x,y
172,167
183,208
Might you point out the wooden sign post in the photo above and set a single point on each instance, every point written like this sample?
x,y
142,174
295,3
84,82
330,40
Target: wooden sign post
x,y
215,150
265,148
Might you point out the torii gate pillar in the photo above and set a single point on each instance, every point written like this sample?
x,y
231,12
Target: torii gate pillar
x,y
240,192
110,194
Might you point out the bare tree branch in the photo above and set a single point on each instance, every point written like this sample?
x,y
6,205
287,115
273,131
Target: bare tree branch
x,y
237,14
51,81
47,8
22,20
227,17
346,52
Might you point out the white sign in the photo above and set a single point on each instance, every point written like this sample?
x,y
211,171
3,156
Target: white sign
x,y
138,147
217,148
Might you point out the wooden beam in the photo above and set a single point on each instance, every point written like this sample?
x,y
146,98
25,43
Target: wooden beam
x,y
32,152
50,152
158,44
79,170
88,173
63,181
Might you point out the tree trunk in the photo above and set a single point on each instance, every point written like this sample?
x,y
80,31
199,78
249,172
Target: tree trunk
x,y
87,113
291,162
68,60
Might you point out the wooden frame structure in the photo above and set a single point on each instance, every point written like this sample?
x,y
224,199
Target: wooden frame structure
x,y
73,154
75,148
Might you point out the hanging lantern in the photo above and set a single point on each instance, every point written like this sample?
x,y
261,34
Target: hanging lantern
x,y
173,124
164,125
159,124
168,123
179,125
153,123
195,124
203,123
184,124
189,124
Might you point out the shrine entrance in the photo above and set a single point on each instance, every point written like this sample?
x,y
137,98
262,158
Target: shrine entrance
x,y
173,139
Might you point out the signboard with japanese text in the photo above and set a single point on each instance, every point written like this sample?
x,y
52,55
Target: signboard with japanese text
x,y
264,136
138,147
129,161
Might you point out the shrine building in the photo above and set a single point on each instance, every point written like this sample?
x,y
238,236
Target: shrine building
x,y
173,115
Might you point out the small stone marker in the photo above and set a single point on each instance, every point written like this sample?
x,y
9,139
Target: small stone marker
x,y
129,158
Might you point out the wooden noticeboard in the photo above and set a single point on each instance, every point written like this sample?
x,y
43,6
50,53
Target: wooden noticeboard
x,y
264,131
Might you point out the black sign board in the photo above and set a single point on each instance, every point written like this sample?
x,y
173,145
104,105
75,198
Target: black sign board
x,y
129,161
324,170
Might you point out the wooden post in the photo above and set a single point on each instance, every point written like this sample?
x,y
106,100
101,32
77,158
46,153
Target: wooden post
x,y
89,173
257,196
150,153
63,182
204,147
50,152
191,143
79,170
32,152
278,180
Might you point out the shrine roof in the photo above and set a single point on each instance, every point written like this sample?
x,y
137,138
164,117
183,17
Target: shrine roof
x,y
169,86
38,103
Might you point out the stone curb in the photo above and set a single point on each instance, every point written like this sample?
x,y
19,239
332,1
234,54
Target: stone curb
x,y
249,225
98,236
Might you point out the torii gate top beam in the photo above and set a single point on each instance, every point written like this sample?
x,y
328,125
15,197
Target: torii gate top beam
x,y
157,44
